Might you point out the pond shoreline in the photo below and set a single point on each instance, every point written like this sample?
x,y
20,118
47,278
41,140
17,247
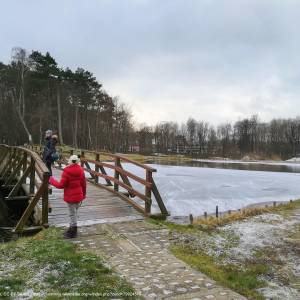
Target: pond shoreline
x,y
262,249
185,220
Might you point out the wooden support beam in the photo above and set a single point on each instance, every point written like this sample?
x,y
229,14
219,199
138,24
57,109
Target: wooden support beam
x,y
2,159
159,200
16,188
8,164
25,161
125,178
13,175
122,184
89,167
104,173
30,230
21,198
29,209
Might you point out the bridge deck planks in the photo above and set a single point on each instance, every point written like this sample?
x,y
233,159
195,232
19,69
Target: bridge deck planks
x,y
99,206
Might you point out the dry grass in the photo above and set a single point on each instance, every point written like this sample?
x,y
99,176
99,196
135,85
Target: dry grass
x,y
212,222
133,156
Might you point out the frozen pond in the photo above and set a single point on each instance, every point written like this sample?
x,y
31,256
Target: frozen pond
x,y
188,190
271,166
195,190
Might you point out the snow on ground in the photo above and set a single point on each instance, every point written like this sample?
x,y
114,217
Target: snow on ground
x,y
259,232
270,239
195,190
269,231
294,159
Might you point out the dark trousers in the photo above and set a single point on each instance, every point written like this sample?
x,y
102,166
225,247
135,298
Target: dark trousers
x,y
48,164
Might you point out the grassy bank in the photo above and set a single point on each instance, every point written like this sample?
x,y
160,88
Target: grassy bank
x,y
134,156
212,246
46,266
212,222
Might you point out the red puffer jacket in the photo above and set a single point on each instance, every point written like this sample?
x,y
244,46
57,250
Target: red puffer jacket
x,y
73,182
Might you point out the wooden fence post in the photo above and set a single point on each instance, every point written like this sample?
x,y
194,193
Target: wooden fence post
x,y
97,168
117,175
148,204
81,156
32,175
45,200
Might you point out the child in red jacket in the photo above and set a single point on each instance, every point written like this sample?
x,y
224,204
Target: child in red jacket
x,y
74,185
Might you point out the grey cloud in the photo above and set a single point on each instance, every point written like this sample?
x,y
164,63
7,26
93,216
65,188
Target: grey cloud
x,y
171,59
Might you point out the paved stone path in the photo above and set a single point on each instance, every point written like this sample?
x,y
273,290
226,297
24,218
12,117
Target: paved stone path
x,y
139,252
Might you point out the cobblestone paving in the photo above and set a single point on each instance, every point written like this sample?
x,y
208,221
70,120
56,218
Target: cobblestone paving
x,y
139,252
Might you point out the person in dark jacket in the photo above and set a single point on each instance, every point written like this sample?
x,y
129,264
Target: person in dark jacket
x,y
49,150
74,185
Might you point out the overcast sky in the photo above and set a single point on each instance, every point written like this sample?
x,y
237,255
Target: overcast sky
x,y
214,60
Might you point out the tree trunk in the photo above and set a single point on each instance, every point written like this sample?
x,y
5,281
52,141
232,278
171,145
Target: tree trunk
x,y
60,132
21,119
76,126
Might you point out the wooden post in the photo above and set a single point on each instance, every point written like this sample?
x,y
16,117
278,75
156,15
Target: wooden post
x,y
45,200
81,156
97,168
191,219
217,211
148,204
117,175
32,175
205,215
229,212
274,203
25,162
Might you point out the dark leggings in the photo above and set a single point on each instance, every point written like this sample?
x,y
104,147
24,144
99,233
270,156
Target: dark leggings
x,y
48,164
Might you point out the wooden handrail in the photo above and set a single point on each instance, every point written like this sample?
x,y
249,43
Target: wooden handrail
x,y
134,163
120,178
122,184
120,170
113,155
19,164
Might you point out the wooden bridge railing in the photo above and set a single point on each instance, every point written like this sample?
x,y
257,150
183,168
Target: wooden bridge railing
x,y
21,168
121,177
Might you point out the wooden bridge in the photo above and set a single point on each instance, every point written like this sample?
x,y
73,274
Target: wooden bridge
x,y
116,190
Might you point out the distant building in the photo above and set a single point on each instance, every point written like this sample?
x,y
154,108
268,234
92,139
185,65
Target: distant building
x,y
134,148
181,144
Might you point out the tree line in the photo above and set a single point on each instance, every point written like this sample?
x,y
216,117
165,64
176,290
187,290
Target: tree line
x,y
37,94
277,139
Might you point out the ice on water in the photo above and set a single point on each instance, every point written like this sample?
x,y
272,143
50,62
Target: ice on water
x,y
195,190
